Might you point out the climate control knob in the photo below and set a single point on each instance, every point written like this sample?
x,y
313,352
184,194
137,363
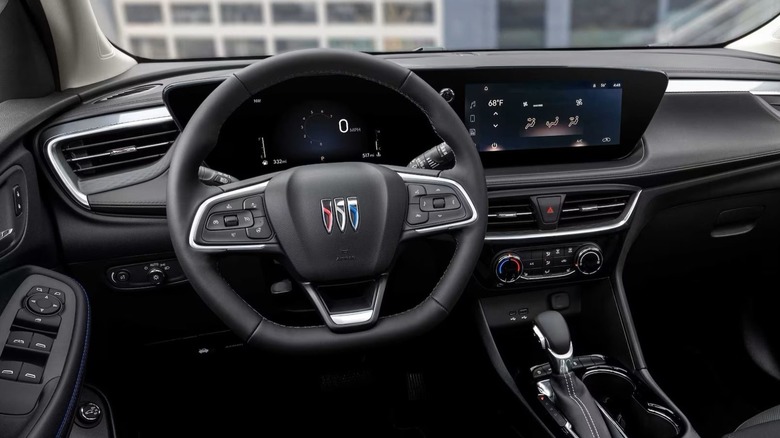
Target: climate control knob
x,y
508,267
589,259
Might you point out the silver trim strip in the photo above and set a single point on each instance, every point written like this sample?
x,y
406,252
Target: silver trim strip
x,y
208,203
412,178
723,86
6,233
352,317
563,233
125,120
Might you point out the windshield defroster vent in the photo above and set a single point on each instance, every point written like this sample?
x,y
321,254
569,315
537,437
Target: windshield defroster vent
x,y
118,150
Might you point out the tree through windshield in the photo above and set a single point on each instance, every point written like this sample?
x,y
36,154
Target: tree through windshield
x,y
180,29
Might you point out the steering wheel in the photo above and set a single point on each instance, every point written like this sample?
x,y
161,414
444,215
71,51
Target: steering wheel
x,y
335,226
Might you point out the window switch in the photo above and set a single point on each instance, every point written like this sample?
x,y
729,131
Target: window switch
x,y
41,343
19,339
30,373
9,370
18,205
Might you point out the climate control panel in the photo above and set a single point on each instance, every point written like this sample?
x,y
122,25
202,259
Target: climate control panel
x,y
545,263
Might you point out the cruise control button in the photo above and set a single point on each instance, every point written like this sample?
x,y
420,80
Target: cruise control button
x,y
19,339
9,369
30,373
231,205
416,216
255,204
260,230
226,236
442,217
41,343
415,192
245,219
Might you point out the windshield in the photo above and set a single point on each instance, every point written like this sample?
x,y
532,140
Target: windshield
x,y
181,29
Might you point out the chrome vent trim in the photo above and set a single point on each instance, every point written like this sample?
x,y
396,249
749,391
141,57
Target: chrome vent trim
x,y
590,206
510,213
108,123
574,231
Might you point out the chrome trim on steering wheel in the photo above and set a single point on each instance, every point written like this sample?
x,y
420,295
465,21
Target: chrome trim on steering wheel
x,y
412,178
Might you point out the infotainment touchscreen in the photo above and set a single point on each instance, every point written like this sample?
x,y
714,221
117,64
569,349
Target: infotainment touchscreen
x,y
543,115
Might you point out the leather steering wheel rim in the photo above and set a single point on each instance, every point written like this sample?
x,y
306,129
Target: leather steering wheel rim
x,y
185,194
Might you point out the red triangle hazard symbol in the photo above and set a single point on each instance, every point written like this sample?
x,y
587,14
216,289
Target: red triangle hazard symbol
x,y
550,210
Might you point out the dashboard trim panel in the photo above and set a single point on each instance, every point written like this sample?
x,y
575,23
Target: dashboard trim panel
x,y
760,88
498,237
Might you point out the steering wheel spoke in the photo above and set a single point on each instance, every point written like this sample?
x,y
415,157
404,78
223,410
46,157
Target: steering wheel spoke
x,y
436,205
236,220
348,307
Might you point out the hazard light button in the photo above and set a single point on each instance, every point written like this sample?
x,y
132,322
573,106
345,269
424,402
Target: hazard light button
x,y
549,208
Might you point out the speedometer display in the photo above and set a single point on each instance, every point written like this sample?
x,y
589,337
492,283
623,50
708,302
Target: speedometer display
x,y
320,131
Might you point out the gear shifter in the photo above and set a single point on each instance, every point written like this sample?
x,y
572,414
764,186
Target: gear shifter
x,y
571,395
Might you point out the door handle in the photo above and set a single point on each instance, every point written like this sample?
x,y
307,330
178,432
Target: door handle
x,y
6,233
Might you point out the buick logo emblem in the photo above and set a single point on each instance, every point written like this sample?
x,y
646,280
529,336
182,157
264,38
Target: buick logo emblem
x,y
340,209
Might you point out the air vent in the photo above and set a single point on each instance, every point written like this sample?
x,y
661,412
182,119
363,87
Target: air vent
x,y
587,208
510,214
118,150
128,92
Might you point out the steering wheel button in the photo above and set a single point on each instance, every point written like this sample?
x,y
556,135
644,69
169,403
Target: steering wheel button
x,y
227,206
230,220
225,236
451,202
261,230
439,203
415,192
443,217
245,219
255,204
435,189
416,216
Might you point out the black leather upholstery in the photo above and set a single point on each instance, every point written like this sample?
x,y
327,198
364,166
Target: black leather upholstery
x,y
578,406
764,425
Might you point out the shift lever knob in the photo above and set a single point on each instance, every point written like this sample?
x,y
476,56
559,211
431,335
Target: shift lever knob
x,y
553,333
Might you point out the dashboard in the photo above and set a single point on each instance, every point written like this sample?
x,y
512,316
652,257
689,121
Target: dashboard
x,y
532,116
